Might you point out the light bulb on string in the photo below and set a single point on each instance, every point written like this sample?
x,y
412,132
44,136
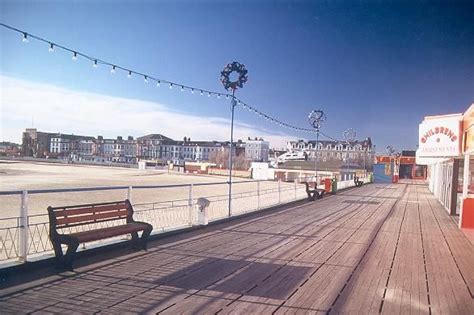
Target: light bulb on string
x,y
158,83
51,48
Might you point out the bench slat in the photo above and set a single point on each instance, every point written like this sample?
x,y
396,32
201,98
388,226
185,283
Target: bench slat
x,y
62,212
94,235
120,214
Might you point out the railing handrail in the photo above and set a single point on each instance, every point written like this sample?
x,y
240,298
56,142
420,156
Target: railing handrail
x,y
99,188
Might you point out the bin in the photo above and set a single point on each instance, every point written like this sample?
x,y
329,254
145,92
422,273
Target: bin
x,y
334,185
327,185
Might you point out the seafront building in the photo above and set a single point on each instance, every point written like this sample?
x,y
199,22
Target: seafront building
x,y
257,149
353,151
156,147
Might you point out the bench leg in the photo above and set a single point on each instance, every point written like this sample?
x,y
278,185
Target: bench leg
x,y
140,242
70,254
65,261
146,233
135,240
58,252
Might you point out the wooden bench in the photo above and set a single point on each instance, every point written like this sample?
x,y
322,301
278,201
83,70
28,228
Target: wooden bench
x,y
67,218
313,192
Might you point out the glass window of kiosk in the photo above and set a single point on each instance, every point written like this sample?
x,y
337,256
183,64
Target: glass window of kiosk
x,y
470,185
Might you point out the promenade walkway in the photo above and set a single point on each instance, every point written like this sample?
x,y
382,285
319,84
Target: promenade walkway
x,y
377,249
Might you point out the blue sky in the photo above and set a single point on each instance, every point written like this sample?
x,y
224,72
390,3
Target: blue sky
x,y
375,67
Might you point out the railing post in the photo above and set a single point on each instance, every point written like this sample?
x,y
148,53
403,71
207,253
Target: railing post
x,y
279,191
258,195
190,205
129,193
23,233
296,195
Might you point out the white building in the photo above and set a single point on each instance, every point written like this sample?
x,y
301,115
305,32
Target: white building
x,y
358,152
257,150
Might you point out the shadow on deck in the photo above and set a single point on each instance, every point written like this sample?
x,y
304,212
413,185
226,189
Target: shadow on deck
x,y
367,250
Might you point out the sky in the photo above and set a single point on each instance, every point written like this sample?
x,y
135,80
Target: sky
x,y
375,67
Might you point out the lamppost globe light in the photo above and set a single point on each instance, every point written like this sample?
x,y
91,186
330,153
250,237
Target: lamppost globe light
x,y
315,118
349,135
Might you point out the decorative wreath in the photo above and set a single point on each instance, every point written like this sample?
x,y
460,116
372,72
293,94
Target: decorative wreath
x,y
316,117
225,76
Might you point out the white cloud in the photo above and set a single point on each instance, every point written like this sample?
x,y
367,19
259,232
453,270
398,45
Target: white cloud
x,y
55,109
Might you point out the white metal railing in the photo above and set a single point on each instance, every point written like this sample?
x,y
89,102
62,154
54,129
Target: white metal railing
x,y
26,236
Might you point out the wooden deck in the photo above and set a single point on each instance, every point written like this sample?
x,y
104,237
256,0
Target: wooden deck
x,y
377,249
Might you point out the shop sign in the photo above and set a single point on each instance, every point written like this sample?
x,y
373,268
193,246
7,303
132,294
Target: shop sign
x,y
382,159
440,137
407,160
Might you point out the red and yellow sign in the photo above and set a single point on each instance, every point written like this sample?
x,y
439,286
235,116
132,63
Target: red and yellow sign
x,y
407,160
382,159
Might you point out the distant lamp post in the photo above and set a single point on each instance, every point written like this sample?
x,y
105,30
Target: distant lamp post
x,y
393,154
390,150
231,85
348,137
316,117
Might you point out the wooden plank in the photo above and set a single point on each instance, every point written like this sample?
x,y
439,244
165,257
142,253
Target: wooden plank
x,y
320,252
318,293
364,291
252,305
348,255
406,290
203,302
86,219
62,212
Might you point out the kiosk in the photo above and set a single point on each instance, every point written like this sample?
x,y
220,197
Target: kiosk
x,y
446,146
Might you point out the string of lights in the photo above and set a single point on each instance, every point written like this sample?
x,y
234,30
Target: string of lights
x,y
114,68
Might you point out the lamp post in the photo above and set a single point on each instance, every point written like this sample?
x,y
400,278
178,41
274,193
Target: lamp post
x,y
348,136
230,85
316,117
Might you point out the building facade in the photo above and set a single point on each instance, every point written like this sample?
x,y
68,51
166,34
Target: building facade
x,y
257,150
358,152
154,147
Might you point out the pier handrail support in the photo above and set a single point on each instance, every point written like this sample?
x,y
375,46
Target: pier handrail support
x,y
190,205
23,246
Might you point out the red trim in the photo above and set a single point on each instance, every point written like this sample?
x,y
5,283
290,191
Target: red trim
x,y
467,219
